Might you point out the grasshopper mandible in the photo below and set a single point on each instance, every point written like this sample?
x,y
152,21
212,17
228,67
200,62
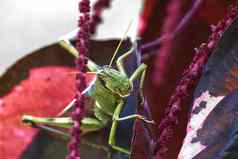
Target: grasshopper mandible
x,y
109,90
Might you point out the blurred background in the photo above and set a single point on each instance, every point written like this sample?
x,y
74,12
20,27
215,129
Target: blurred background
x,y
28,25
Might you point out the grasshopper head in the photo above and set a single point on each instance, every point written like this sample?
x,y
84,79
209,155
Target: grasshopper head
x,y
115,81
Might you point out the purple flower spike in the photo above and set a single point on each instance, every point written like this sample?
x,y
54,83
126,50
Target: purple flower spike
x,y
82,45
98,8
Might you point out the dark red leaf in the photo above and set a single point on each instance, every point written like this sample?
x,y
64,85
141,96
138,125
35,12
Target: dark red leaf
x,y
210,122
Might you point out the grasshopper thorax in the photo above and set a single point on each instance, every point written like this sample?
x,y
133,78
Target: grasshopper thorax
x,y
115,81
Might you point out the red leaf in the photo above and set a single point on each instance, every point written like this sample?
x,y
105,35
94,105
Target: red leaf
x,y
40,84
46,91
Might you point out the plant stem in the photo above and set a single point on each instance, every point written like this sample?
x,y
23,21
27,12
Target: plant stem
x,y
153,45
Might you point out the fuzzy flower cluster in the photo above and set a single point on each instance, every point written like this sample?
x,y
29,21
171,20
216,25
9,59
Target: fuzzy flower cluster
x,y
82,45
190,75
98,8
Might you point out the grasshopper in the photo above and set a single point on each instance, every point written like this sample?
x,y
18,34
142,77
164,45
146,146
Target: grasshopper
x,y
109,90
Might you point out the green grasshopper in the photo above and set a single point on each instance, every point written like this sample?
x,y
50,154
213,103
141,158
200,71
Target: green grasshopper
x,y
109,90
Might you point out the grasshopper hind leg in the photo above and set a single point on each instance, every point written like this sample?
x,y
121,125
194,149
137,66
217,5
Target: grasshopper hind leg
x,y
83,141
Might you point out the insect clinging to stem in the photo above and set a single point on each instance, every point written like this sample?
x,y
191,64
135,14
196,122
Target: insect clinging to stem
x,y
109,90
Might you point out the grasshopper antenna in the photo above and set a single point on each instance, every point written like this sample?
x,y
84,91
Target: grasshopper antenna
x,y
119,44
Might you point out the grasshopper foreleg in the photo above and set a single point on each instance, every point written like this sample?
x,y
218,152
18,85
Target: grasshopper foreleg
x,y
140,73
135,116
120,60
112,135
116,119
